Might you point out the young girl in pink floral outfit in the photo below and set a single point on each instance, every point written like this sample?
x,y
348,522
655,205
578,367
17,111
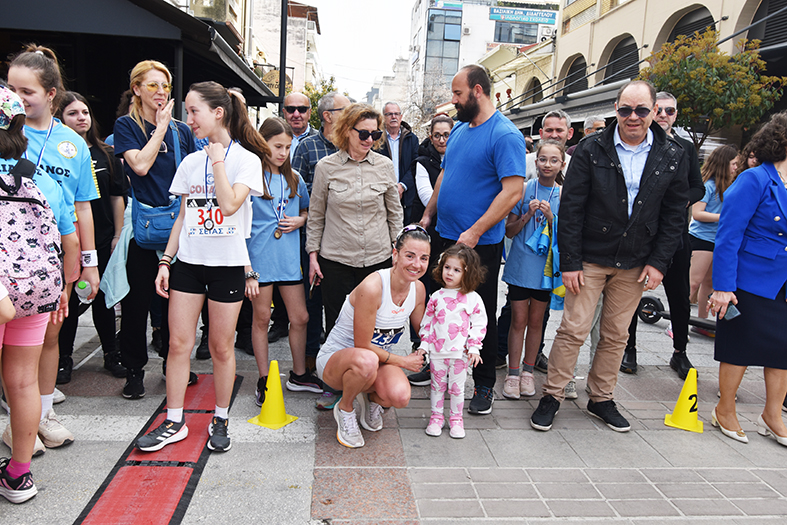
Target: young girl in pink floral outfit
x,y
451,332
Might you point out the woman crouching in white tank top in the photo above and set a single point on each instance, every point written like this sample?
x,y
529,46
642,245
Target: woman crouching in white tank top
x,y
356,357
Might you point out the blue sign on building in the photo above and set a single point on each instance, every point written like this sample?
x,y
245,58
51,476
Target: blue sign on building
x,y
528,16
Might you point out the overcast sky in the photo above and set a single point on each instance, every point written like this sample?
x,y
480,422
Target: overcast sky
x,y
360,39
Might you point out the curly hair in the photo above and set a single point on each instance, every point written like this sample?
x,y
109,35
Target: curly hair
x,y
349,118
475,272
769,144
717,167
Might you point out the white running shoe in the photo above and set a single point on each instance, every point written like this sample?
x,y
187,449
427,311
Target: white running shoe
x,y
527,384
371,413
347,431
38,448
59,397
511,387
53,433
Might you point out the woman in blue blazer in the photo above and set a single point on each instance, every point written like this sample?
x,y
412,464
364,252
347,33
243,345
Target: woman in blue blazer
x,y
750,271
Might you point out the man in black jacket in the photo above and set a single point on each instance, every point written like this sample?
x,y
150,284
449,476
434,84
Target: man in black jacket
x,y
401,146
622,213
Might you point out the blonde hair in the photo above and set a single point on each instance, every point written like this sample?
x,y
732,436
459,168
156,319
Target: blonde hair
x,y
137,74
347,120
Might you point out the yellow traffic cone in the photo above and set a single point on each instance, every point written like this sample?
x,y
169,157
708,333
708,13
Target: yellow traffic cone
x,y
684,416
272,412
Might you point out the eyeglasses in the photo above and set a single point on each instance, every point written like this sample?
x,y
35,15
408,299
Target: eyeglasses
x,y
392,114
364,134
439,136
668,111
641,111
300,109
412,228
599,128
554,161
335,109
153,86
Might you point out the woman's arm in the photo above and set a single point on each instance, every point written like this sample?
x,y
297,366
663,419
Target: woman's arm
x,y
142,160
118,211
393,206
423,184
162,279
699,214
87,241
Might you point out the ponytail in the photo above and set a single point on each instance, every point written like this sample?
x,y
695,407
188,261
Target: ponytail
x,y
44,63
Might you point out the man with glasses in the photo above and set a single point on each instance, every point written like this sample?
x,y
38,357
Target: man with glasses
x,y
593,124
481,181
297,110
622,212
401,146
309,152
676,280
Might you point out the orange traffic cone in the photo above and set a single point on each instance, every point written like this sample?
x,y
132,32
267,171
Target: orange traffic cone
x,y
684,416
272,412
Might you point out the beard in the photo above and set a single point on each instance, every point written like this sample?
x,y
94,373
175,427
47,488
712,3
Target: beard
x,y
468,111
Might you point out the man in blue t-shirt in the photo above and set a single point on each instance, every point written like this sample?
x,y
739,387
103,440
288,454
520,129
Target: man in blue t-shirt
x,y
481,181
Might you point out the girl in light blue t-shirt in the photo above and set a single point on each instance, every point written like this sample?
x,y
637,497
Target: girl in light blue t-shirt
x,y
524,269
718,172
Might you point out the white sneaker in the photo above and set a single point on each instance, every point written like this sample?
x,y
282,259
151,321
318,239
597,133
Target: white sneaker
x,y
511,387
435,426
38,448
527,384
371,413
52,432
457,428
347,431
570,391
59,397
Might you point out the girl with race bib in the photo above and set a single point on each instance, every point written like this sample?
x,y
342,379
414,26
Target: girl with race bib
x,y
274,249
209,240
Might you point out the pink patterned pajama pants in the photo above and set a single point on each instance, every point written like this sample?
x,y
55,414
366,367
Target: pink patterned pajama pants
x,y
448,374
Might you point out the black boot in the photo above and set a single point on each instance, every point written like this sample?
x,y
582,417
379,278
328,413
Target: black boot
x,y
203,352
629,364
64,370
112,364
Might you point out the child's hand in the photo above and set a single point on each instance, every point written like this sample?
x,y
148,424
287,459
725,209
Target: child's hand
x,y
474,359
534,205
546,209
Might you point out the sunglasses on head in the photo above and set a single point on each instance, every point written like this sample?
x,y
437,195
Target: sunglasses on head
x,y
669,111
363,134
300,109
641,111
153,86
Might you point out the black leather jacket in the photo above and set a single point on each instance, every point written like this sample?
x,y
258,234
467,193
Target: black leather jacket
x,y
594,225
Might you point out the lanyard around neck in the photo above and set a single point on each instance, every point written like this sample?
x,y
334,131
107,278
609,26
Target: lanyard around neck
x,y
208,201
278,210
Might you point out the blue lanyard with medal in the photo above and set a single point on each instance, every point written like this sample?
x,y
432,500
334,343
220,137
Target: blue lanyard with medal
x,y
278,210
43,148
209,224
541,217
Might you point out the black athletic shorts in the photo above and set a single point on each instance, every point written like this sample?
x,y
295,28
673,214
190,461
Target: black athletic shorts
x,y
223,284
517,293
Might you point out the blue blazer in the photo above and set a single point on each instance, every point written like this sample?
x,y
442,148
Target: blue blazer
x,y
751,242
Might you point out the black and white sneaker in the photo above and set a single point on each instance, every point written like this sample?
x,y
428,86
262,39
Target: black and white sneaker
x,y
16,490
482,400
259,394
167,433
217,430
135,384
545,414
608,413
422,378
304,383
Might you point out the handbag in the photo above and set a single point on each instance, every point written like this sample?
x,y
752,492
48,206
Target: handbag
x,y
153,224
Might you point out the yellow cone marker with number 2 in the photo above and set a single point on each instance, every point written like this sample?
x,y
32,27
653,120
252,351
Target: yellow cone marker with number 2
x,y
684,416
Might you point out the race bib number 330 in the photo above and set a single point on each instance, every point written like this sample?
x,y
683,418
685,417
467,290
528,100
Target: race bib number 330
x,y
204,220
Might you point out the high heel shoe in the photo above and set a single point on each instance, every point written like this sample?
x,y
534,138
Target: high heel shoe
x,y
764,430
737,435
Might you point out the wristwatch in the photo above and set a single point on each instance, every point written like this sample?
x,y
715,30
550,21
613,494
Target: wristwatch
x,y
252,275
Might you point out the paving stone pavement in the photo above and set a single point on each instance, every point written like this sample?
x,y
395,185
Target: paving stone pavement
x,y
502,472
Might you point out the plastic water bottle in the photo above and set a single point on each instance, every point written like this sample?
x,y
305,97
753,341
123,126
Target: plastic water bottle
x,y
83,290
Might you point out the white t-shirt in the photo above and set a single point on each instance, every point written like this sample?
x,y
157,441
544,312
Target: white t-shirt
x,y
199,244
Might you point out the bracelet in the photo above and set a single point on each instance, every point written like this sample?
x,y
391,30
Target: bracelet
x,y
89,258
387,358
162,262
167,255
217,162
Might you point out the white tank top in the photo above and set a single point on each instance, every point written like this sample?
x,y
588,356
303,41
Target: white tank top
x,y
389,324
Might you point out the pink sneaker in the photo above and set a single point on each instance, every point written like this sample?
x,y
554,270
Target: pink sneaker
x,y
457,427
435,426
527,384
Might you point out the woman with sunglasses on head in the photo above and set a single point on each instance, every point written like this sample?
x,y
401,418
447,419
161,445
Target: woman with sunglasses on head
x,y
146,139
60,153
354,211
356,356
75,112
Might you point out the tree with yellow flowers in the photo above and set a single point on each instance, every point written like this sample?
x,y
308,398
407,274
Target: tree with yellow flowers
x,y
715,90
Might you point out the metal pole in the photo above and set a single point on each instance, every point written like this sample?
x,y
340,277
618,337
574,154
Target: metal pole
x,y
283,54
178,91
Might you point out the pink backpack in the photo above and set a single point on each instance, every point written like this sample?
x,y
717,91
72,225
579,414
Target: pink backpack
x,y
30,248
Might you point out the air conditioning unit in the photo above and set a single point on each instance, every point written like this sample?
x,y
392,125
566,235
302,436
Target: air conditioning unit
x,y
465,30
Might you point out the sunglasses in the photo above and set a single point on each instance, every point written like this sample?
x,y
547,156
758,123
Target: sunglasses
x,y
668,111
363,134
299,109
153,86
642,112
438,136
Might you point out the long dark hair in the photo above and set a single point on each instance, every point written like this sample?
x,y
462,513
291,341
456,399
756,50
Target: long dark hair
x,y
270,128
235,119
717,167
92,134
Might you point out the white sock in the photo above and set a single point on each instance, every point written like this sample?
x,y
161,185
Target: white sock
x,y
223,413
46,404
175,414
